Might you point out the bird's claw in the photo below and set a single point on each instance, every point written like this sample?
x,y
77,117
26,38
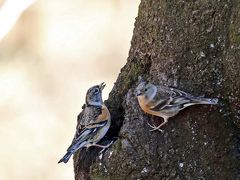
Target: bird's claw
x,y
105,147
154,128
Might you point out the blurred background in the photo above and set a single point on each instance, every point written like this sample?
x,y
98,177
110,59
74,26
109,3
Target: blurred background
x,y
51,52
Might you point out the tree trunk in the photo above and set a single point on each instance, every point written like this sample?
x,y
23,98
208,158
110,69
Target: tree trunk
x,y
194,46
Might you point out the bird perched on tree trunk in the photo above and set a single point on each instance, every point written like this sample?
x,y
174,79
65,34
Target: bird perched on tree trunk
x,y
93,123
165,101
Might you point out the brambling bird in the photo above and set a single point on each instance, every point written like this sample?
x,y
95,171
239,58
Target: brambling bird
x,y
93,123
165,101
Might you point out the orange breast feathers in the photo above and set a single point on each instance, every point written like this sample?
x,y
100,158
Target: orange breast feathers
x,y
105,115
145,105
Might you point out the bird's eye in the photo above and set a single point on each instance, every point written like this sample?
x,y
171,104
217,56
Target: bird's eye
x,y
96,90
145,89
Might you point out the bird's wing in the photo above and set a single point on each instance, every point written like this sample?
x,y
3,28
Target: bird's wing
x,y
173,92
90,121
86,134
179,93
168,96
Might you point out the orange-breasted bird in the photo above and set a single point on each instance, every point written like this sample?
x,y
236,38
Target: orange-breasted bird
x,y
93,123
165,101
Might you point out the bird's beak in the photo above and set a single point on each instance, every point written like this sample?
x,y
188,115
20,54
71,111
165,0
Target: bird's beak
x,y
102,85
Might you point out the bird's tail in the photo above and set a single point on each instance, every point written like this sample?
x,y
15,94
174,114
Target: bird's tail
x,y
66,157
201,100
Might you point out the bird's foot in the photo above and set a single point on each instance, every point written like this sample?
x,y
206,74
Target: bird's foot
x,y
105,147
154,128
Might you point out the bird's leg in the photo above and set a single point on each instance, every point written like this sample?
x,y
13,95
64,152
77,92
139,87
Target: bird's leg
x,y
101,146
158,127
105,147
154,127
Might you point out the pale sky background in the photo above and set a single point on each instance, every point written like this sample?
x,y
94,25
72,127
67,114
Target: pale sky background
x,y
50,54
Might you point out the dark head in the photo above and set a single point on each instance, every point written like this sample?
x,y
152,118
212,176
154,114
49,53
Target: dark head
x,y
94,95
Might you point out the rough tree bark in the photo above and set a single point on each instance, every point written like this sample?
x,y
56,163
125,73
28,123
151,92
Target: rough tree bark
x,y
195,46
